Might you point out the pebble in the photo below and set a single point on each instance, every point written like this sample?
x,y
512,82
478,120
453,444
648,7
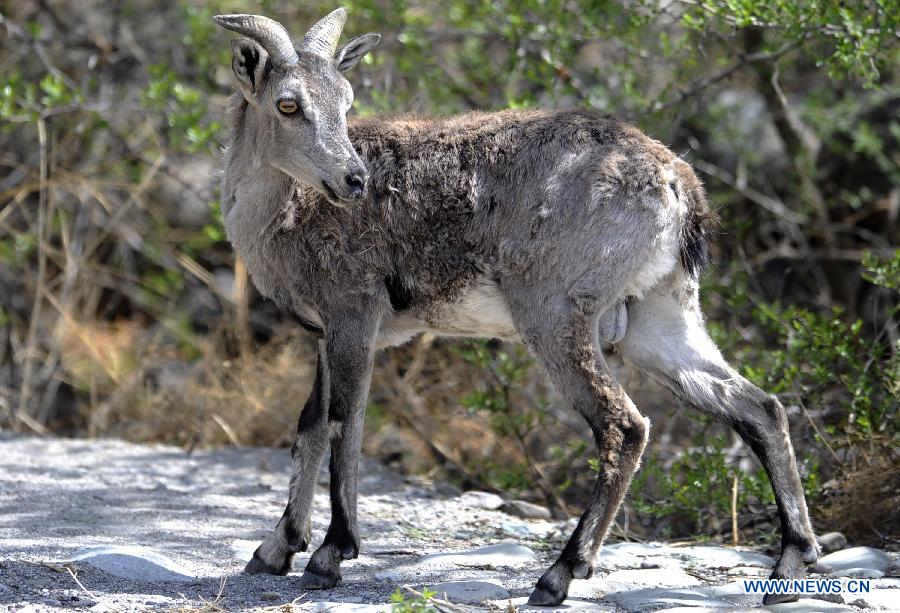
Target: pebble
x,y
858,573
749,571
133,562
505,553
481,500
469,592
525,510
657,577
820,569
734,592
881,599
447,490
568,606
391,576
857,557
653,598
243,549
515,528
832,541
534,528
342,607
811,605
723,557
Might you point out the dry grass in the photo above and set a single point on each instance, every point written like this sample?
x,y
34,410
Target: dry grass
x,y
216,399
863,502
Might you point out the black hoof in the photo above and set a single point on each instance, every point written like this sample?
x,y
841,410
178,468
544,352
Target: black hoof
x,y
541,597
551,589
315,581
791,565
770,599
257,566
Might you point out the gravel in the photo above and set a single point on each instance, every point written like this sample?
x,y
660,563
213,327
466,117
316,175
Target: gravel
x,y
155,528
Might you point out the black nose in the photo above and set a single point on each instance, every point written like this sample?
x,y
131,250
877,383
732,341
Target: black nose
x,y
357,184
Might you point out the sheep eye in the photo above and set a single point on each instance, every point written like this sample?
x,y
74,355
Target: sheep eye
x,y
288,106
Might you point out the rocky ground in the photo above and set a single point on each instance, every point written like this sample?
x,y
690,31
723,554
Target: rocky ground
x,y
111,526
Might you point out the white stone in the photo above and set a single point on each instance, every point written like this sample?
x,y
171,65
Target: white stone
x,y
858,557
633,555
531,528
654,598
133,562
344,607
481,500
640,549
613,560
505,553
525,510
469,592
832,541
653,577
884,598
722,557
749,571
693,610
395,577
735,592
811,605
858,573
243,550
629,580
515,527
568,606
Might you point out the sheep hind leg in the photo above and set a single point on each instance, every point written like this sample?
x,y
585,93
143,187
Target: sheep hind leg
x,y
568,350
666,339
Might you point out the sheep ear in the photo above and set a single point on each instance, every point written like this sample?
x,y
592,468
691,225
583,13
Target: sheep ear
x,y
350,54
248,61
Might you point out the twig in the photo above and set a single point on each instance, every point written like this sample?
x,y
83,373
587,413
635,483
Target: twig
x,y
26,419
699,85
818,432
18,32
734,515
90,593
437,603
228,430
776,207
213,605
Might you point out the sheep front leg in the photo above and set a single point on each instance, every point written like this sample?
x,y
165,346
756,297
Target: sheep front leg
x,y
350,343
293,532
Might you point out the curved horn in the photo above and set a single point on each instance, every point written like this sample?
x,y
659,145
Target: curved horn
x,y
322,38
267,32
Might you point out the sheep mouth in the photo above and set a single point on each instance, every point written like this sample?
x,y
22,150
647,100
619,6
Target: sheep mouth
x,y
330,193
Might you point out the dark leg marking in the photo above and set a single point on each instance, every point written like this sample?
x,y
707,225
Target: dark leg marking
x,y
294,531
350,355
